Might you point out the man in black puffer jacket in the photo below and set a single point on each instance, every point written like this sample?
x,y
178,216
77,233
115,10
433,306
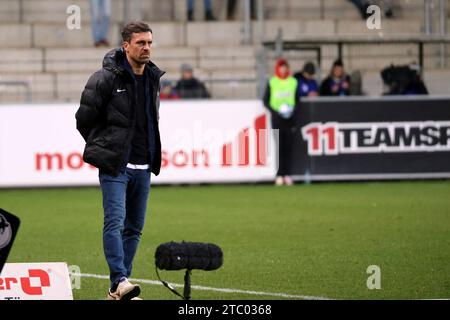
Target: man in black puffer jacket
x,y
118,118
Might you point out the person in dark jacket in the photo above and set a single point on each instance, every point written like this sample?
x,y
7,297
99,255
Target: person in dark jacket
x,y
337,83
403,80
281,98
118,119
189,87
308,86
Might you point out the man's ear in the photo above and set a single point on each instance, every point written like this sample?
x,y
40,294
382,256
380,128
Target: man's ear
x,y
125,46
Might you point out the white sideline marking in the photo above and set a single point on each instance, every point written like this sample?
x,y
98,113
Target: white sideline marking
x,y
224,290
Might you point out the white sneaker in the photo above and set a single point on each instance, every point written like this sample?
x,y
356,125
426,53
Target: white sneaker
x,y
125,291
288,181
279,181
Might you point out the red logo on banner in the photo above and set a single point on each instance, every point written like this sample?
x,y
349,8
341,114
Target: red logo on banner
x,y
25,282
58,161
322,139
243,146
333,138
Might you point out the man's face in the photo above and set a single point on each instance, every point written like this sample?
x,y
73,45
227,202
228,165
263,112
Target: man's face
x,y
308,76
187,74
338,71
138,49
284,70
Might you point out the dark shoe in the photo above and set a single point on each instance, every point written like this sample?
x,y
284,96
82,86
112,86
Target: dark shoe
x,y
389,13
364,13
190,15
209,16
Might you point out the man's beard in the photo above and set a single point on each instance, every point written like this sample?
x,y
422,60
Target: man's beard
x,y
141,61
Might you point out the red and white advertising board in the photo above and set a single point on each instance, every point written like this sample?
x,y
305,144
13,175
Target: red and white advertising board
x,y
202,142
35,281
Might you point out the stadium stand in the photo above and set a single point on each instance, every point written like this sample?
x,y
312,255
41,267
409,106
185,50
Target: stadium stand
x,y
53,62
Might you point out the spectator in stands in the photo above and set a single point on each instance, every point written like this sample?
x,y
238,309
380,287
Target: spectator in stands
x,y
189,87
337,83
308,86
281,99
417,86
167,91
403,80
100,16
231,9
362,6
208,10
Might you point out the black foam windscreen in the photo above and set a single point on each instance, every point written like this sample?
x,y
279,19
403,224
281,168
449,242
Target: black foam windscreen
x,y
188,255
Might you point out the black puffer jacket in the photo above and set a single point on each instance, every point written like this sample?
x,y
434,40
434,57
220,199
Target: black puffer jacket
x,y
106,116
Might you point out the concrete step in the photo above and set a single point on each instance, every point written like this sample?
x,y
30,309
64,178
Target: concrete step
x,y
9,11
16,35
232,90
42,88
168,34
74,60
389,27
213,58
199,34
56,11
436,82
69,86
213,34
292,30
53,35
175,10
21,61
171,59
220,58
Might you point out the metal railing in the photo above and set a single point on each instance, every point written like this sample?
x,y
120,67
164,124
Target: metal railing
x,y
241,88
18,83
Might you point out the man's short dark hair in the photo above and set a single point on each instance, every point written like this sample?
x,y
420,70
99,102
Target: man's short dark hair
x,y
309,68
338,63
134,27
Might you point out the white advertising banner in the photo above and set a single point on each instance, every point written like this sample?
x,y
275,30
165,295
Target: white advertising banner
x,y
202,142
35,281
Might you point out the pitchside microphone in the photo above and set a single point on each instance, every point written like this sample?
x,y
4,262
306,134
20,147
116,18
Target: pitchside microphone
x,y
189,256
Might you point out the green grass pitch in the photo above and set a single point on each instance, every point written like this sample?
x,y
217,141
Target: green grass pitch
x,y
307,240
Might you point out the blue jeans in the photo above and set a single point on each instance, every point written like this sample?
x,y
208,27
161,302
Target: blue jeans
x,y
208,6
100,15
124,204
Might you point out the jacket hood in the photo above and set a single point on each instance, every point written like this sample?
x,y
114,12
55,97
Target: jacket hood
x,y
114,61
278,64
